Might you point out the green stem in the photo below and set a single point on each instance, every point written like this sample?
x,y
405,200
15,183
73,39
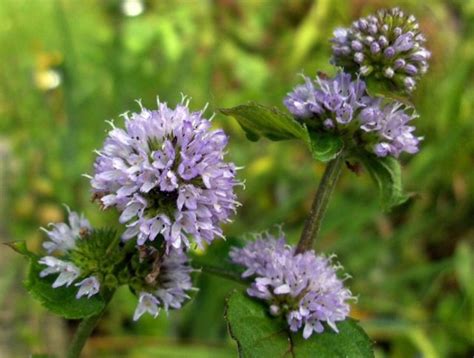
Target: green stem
x,y
320,204
218,271
85,329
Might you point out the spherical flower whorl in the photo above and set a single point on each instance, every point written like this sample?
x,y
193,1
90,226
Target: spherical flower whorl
x,y
168,286
304,287
390,124
342,106
166,174
64,240
387,45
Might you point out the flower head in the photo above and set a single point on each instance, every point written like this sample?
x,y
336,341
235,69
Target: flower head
x,y
303,287
166,174
342,105
168,286
64,241
391,124
386,45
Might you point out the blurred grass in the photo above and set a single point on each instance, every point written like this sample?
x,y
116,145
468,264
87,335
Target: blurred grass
x,y
67,66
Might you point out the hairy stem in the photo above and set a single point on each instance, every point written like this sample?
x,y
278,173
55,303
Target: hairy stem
x,y
85,328
320,204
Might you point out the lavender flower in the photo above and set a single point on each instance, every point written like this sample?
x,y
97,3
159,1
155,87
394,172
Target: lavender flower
x,y
338,99
166,174
64,242
89,287
391,123
168,287
68,272
302,287
63,236
146,303
386,45
341,105
302,101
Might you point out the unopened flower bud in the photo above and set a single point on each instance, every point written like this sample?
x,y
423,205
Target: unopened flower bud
x,y
389,52
388,72
366,70
409,83
357,45
359,57
411,69
399,63
374,48
383,42
390,32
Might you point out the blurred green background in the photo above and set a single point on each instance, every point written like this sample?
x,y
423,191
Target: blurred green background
x,y
67,66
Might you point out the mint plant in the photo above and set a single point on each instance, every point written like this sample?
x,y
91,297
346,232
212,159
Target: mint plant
x,y
165,173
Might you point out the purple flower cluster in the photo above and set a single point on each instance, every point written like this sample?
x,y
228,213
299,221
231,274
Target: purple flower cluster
x,y
303,287
171,286
333,100
166,284
391,123
386,45
166,174
63,239
342,105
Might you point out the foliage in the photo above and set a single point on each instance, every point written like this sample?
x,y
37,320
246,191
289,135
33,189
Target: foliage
x,y
271,338
61,301
258,120
386,174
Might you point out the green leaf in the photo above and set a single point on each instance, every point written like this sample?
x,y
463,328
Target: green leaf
x,y
256,333
20,247
61,300
259,335
325,147
377,88
351,341
387,175
260,121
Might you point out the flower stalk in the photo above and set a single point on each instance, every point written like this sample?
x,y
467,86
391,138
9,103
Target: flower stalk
x,y
221,272
320,203
85,328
